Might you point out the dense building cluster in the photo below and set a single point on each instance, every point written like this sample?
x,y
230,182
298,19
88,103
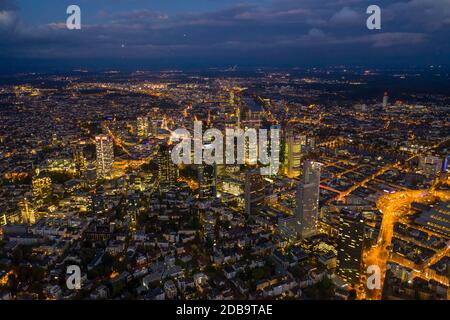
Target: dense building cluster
x,y
87,179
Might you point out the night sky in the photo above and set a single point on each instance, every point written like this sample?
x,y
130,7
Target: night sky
x,y
207,33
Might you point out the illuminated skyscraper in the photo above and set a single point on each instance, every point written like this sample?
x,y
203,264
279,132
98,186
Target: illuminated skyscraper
x,y
308,199
231,97
105,156
292,153
349,246
254,191
385,100
207,181
167,170
273,148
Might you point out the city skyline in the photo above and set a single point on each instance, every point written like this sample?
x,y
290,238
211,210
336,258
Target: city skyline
x,y
232,152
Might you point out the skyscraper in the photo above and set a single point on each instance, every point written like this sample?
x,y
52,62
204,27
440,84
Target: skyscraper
x,y
167,170
274,147
292,153
207,181
105,156
307,199
385,100
350,245
254,191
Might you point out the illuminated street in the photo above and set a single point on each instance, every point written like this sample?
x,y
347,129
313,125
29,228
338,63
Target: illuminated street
x,y
393,207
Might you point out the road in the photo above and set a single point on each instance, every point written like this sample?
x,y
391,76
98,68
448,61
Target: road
x,y
394,206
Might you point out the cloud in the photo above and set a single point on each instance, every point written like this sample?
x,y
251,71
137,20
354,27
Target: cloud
x,y
316,33
383,40
346,17
57,25
430,15
7,18
278,28
138,16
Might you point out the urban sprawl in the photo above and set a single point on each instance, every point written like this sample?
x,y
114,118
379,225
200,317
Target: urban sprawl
x,y
87,179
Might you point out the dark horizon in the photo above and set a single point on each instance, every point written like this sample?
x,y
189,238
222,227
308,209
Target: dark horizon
x,y
15,66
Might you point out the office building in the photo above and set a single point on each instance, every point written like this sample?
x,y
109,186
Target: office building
x,y
254,191
167,170
105,156
350,246
292,153
385,100
307,199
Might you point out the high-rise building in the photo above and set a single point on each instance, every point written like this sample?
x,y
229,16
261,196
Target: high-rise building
x,y
307,199
254,191
350,246
142,124
207,181
274,151
90,175
292,153
385,100
312,143
311,172
105,156
154,121
167,170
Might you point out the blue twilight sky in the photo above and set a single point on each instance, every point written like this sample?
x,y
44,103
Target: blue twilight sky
x,y
185,33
